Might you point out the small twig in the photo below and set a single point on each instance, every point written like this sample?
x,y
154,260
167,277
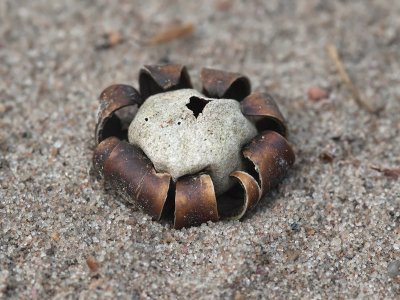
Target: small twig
x,y
334,56
392,173
171,33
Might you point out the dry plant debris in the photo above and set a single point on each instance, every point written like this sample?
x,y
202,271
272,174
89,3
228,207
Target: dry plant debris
x,y
334,56
173,32
109,40
392,173
92,264
316,93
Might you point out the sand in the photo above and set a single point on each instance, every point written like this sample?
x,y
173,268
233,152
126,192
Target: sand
x,y
330,230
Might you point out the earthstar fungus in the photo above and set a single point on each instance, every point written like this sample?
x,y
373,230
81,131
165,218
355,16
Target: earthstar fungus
x,y
199,156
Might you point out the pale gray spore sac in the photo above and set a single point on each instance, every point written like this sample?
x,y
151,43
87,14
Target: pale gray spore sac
x,y
183,132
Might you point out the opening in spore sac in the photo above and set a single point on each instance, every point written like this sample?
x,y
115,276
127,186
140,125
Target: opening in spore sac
x,y
196,105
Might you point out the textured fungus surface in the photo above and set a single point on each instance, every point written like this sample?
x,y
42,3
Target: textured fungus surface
x,y
183,132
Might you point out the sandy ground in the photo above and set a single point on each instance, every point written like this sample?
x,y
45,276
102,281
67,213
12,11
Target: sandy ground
x,y
331,229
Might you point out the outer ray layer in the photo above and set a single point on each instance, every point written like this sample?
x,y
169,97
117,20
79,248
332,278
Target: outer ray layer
x,y
195,201
154,79
112,99
220,84
272,157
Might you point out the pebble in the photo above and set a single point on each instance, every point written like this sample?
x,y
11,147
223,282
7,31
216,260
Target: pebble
x,y
317,93
393,268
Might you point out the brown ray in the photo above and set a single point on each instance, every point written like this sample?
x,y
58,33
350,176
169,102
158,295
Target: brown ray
x,y
112,99
154,79
272,156
132,174
195,201
267,115
221,84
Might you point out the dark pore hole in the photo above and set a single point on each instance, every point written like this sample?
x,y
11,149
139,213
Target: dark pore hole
x,y
196,105
230,203
251,169
169,206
